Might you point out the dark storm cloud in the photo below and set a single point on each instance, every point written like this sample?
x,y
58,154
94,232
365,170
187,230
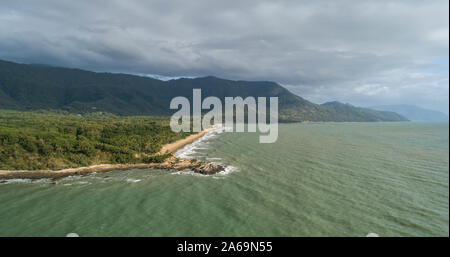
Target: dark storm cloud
x,y
366,53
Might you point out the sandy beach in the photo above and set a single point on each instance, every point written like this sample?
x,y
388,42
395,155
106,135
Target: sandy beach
x,y
170,163
175,146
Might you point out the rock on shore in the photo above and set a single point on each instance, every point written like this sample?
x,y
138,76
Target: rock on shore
x,y
208,168
204,168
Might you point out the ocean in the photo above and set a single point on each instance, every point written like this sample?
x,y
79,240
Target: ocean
x,y
318,179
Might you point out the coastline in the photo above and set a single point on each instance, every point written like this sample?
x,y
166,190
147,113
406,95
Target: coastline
x,y
179,144
170,163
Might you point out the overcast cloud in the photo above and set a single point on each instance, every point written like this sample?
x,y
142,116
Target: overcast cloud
x,y
361,52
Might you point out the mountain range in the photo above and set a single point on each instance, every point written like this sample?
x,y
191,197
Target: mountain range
x,y
414,113
34,87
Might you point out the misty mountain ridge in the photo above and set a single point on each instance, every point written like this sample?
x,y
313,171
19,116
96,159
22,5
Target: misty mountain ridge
x,y
34,87
414,113
346,111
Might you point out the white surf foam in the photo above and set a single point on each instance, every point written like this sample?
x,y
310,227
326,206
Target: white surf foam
x,y
213,159
130,180
25,180
190,151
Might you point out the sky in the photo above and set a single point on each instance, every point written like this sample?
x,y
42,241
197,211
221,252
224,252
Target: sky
x,y
365,53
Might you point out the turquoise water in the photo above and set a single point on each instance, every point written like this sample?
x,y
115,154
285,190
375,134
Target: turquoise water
x,y
318,179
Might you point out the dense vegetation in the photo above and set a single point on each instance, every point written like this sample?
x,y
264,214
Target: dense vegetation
x,y
347,112
414,113
35,87
56,140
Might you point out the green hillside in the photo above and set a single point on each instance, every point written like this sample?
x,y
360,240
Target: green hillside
x,y
347,112
35,87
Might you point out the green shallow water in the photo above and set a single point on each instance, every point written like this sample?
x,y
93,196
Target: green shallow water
x,y
319,179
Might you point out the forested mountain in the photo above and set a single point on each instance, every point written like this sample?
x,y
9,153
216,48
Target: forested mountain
x,y
414,113
33,87
348,112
